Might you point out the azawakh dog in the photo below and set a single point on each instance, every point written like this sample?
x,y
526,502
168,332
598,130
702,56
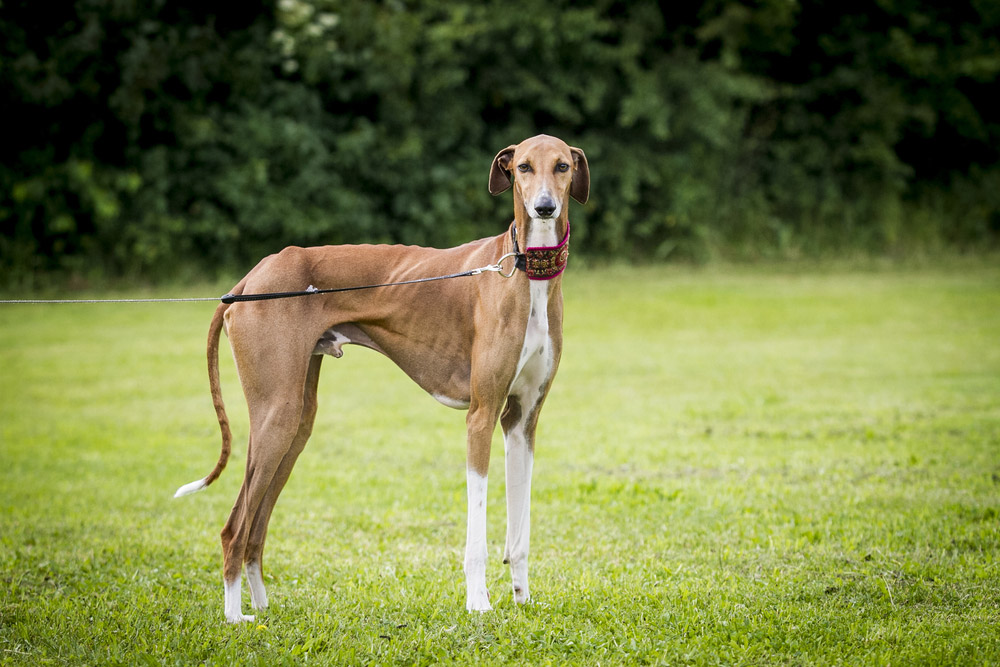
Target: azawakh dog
x,y
489,345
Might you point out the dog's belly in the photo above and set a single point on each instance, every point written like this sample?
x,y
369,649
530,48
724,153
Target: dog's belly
x,y
456,403
450,389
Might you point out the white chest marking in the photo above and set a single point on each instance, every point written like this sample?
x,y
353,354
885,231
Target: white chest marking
x,y
536,351
535,363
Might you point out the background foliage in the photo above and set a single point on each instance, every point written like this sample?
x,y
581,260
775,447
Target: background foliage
x,y
147,137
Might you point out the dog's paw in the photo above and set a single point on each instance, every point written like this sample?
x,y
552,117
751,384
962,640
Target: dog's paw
x,y
478,601
240,618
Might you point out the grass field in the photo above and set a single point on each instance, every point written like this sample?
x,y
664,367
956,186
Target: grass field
x,y
735,466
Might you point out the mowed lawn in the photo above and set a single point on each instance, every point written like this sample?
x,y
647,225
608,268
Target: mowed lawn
x,y
735,466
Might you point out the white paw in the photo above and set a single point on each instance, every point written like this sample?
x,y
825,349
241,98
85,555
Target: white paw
x,y
478,601
258,595
239,618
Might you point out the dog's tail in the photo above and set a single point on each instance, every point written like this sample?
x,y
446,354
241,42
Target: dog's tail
x,y
214,330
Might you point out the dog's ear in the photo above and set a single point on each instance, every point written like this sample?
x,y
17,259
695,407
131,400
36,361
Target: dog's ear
x,y
500,179
579,189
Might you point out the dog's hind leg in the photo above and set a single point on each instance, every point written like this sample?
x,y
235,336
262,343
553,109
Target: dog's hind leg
x,y
258,532
275,400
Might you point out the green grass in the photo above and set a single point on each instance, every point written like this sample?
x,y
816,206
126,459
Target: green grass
x,y
735,466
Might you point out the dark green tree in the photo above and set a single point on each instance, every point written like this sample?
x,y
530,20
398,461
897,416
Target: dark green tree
x,y
143,137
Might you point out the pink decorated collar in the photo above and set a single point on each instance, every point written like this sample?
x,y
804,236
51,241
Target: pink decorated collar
x,y
542,262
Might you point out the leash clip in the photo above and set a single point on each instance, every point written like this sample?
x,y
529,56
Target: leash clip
x,y
498,267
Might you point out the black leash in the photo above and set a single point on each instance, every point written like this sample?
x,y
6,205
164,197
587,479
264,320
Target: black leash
x,y
237,298
521,262
204,298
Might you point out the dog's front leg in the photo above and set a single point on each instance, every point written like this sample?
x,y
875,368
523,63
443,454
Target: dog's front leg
x,y
477,597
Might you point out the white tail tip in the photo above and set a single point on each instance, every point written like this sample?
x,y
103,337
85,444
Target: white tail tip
x,y
188,489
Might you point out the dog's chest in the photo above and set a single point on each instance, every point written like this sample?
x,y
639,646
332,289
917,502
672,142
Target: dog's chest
x,y
535,362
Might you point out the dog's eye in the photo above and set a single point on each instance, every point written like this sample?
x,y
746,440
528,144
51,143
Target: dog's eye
x,y
562,167
524,167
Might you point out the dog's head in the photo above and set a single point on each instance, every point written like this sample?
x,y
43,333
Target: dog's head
x,y
543,171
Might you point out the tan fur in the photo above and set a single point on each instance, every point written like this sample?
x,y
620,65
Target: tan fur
x,y
459,338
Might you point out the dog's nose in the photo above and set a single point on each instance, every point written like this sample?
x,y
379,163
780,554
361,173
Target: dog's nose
x,y
545,208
